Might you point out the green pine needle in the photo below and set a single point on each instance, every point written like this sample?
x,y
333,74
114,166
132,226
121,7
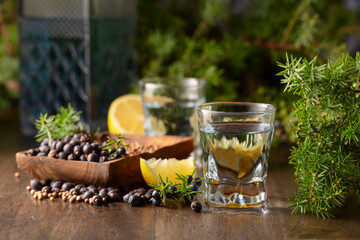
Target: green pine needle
x,y
326,158
115,143
183,188
59,125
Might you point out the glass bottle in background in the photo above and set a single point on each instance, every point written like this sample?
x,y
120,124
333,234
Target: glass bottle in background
x,y
74,51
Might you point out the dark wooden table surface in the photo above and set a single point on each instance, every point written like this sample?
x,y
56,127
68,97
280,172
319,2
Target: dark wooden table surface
x,y
22,217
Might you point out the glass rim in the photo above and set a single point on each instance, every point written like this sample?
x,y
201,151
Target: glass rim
x,y
269,109
164,81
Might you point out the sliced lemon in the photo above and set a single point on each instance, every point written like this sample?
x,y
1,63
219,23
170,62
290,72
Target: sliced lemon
x,y
126,115
158,126
235,155
158,99
167,167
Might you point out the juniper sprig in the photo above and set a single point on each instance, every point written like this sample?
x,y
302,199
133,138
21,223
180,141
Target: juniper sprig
x,y
184,188
327,155
115,143
59,125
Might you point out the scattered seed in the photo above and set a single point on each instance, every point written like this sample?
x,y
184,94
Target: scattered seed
x,y
136,148
35,184
134,200
156,202
46,189
78,193
156,194
97,200
88,194
196,206
142,191
17,175
114,196
126,197
67,186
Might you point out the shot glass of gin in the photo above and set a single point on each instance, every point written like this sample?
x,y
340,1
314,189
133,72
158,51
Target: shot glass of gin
x,y
169,105
235,139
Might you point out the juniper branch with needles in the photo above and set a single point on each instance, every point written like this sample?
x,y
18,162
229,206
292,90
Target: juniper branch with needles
x,y
59,125
115,143
326,158
45,127
183,188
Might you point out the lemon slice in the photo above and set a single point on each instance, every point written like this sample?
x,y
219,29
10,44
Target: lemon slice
x,y
126,115
158,126
158,99
167,167
235,155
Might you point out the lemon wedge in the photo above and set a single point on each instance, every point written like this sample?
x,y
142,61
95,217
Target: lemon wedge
x,y
126,115
167,167
235,155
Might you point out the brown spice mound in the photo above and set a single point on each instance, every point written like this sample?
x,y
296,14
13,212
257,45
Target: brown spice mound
x,y
135,148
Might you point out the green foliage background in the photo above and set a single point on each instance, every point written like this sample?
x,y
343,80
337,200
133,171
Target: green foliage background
x,y
232,44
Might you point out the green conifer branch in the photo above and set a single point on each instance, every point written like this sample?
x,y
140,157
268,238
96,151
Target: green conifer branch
x,y
59,125
326,158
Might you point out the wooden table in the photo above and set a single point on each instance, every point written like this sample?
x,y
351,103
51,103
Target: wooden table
x,y
25,218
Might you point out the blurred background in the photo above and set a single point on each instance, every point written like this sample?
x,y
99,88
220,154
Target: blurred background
x,y
232,44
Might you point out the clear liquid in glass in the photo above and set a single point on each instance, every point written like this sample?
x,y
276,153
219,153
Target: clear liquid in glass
x,y
169,119
235,162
